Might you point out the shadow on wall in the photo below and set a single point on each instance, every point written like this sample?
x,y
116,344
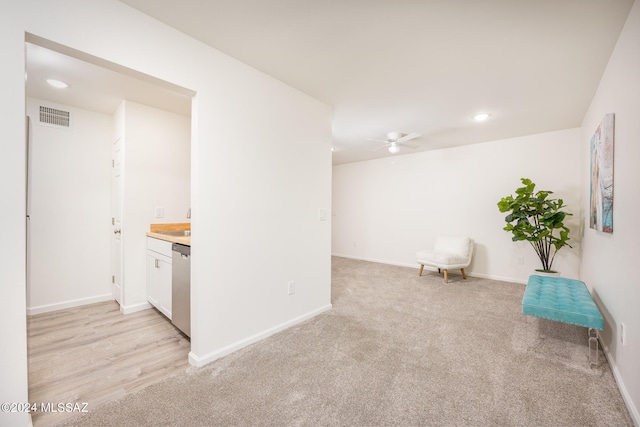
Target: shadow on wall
x,y
609,333
478,258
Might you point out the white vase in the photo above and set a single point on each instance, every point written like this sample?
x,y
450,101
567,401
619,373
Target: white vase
x,y
547,273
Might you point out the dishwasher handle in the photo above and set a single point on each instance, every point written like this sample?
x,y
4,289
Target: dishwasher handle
x,y
183,250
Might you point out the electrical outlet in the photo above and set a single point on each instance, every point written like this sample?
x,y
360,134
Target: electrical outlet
x,y
521,260
291,287
622,333
159,212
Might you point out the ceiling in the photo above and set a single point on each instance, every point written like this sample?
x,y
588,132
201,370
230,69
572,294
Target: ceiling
x,y
95,84
424,66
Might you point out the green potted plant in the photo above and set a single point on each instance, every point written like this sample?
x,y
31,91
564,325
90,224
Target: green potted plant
x,y
538,219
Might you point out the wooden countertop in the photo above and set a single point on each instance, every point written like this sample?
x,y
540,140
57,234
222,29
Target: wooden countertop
x,y
156,229
183,240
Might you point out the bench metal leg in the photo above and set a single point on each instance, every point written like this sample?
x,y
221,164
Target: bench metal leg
x,y
593,339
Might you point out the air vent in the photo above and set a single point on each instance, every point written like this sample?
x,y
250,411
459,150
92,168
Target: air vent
x,y
55,117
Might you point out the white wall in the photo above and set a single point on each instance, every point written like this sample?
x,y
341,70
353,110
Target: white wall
x,y
608,260
70,258
387,209
13,353
157,173
70,190
266,173
261,167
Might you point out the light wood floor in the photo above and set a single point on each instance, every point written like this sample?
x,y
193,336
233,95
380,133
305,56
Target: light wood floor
x,y
96,354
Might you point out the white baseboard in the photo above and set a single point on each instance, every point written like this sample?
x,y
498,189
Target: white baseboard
x,y
633,410
199,361
499,278
128,309
416,266
379,261
68,304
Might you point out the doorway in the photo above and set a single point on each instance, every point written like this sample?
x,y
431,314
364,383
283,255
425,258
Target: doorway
x,y
69,247
69,197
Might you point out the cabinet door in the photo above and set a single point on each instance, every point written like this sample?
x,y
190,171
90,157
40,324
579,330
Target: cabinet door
x,y
165,287
153,279
159,282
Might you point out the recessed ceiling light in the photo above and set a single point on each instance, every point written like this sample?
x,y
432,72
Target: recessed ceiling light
x,y
481,117
57,83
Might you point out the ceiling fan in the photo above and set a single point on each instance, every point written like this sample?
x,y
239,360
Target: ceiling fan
x,y
395,140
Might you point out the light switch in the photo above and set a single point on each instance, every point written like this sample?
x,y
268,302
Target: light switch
x,y
322,214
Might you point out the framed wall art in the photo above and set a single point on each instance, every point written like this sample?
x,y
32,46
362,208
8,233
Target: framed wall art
x,y
601,215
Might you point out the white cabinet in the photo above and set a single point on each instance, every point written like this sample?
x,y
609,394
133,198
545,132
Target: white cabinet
x,y
159,275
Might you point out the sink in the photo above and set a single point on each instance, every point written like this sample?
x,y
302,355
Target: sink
x,y
175,232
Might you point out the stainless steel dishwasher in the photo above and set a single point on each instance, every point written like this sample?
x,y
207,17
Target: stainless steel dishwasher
x,y
181,287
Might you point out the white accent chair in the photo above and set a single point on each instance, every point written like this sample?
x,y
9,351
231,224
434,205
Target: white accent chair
x,y
449,252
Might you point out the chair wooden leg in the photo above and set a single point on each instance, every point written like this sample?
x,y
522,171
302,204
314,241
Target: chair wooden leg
x,y
446,276
421,267
464,276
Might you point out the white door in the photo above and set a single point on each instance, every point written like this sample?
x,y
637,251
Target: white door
x,y
116,221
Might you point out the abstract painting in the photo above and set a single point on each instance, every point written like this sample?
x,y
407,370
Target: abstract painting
x,y
602,176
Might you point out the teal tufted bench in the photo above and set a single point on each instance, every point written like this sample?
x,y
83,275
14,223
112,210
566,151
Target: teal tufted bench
x,y
563,300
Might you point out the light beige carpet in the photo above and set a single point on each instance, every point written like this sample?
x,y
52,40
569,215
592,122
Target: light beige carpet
x,y
399,350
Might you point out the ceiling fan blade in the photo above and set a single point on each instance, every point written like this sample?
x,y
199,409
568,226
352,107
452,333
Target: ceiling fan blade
x,y
410,145
408,137
377,140
381,147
